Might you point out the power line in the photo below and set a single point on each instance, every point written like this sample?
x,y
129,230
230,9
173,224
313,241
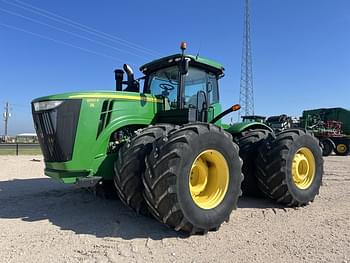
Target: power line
x,y
69,32
80,26
60,42
20,105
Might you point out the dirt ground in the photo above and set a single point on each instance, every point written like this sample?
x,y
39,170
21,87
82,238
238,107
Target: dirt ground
x,y
45,221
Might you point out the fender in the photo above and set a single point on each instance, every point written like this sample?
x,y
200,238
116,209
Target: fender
x,y
243,126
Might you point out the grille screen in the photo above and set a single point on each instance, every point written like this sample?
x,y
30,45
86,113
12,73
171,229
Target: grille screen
x,y
56,130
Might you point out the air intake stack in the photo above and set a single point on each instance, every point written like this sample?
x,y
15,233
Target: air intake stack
x,y
119,75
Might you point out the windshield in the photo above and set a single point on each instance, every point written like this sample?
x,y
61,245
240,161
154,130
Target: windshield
x,y
200,86
165,82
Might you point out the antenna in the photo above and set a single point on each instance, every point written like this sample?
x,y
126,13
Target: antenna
x,y
199,49
197,55
246,96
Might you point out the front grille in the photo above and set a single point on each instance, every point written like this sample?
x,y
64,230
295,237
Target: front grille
x,y
56,129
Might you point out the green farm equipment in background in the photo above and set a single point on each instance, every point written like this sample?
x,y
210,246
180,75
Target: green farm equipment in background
x,y
162,148
331,126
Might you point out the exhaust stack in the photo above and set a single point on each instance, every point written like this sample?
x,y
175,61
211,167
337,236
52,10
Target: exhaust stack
x,y
130,75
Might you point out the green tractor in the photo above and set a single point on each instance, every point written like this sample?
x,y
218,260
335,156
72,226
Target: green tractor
x,y
164,150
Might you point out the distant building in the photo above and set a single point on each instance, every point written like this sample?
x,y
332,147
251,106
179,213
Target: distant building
x,y
27,138
7,139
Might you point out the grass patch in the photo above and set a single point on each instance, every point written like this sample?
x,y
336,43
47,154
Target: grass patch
x,y
26,150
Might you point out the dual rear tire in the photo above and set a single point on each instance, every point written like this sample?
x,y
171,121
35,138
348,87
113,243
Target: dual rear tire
x,y
249,143
290,168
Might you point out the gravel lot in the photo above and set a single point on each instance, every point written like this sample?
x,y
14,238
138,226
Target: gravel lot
x,y
44,221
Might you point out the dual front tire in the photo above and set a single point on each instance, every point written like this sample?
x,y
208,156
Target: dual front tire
x,y
193,177
130,166
187,176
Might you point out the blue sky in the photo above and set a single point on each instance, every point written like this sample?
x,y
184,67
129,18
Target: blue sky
x,y
301,49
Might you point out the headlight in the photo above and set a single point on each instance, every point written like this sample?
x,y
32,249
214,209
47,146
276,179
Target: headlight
x,y
47,105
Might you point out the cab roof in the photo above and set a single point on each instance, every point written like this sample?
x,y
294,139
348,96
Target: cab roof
x,y
196,61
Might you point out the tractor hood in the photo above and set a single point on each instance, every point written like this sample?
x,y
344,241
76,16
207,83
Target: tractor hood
x,y
123,95
75,129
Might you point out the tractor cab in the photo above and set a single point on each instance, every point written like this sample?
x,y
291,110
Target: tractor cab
x,y
188,86
253,118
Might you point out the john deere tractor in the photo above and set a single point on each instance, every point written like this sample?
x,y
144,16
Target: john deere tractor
x,y
159,142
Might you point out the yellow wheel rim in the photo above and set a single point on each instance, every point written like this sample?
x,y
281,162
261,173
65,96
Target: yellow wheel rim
x,y
209,179
342,148
303,168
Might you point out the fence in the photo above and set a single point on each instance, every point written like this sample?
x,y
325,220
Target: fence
x,y
19,149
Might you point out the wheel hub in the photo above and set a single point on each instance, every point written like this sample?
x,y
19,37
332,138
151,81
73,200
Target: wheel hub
x,y
303,168
341,148
199,176
209,179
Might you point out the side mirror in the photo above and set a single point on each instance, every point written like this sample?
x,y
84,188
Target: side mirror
x,y
184,65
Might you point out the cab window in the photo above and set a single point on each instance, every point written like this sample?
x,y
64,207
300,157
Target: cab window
x,y
195,87
213,90
200,87
165,83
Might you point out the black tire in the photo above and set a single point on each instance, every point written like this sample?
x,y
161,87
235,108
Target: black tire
x,y
249,144
274,165
167,178
327,147
130,165
342,149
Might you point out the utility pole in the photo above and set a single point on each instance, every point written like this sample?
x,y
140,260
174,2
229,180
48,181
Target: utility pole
x,y
246,96
7,115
